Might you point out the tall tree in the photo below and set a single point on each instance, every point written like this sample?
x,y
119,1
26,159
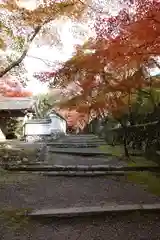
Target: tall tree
x,y
117,59
111,68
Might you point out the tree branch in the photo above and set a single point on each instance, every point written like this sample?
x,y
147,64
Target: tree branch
x,y
156,63
19,60
36,31
143,125
45,61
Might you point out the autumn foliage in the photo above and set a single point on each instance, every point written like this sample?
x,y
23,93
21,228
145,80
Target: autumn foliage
x,y
110,69
74,118
10,87
20,26
107,71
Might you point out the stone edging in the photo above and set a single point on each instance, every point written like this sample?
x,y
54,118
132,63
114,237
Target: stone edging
x,y
83,168
94,210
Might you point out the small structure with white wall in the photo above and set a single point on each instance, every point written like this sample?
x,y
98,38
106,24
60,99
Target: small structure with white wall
x,y
39,129
14,107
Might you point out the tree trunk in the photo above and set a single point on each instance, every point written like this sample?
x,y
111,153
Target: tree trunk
x,y
17,62
126,152
125,147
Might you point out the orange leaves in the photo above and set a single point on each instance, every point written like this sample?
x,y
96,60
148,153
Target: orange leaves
x,y
88,83
137,40
74,118
45,12
116,106
114,69
13,88
18,94
25,20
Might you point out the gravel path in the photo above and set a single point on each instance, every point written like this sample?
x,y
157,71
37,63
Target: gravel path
x,y
64,159
39,192
25,191
129,227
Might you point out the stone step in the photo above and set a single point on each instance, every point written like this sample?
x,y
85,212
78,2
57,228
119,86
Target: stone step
x,y
68,159
78,141
85,173
93,210
82,135
74,145
80,138
81,168
79,151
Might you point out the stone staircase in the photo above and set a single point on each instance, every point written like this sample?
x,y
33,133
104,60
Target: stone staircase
x,y
73,178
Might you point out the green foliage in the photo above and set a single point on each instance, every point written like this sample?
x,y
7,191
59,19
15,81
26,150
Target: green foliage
x,y
140,125
2,44
19,43
115,151
146,100
5,32
44,103
11,124
19,128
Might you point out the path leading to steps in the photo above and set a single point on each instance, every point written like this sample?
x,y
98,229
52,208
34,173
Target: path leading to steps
x,y
20,191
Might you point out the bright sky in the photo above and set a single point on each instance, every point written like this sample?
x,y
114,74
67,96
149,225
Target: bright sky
x,y
46,52
66,28
53,53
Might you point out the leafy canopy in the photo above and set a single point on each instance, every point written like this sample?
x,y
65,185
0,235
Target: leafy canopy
x,y
112,68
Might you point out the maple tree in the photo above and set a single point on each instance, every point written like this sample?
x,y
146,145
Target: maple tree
x,y
10,87
74,118
111,69
115,63
20,26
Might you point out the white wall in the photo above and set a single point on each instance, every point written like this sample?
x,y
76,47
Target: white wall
x,y
57,125
37,129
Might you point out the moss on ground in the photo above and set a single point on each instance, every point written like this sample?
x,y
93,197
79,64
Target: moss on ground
x,y
151,181
15,177
141,161
14,219
115,151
